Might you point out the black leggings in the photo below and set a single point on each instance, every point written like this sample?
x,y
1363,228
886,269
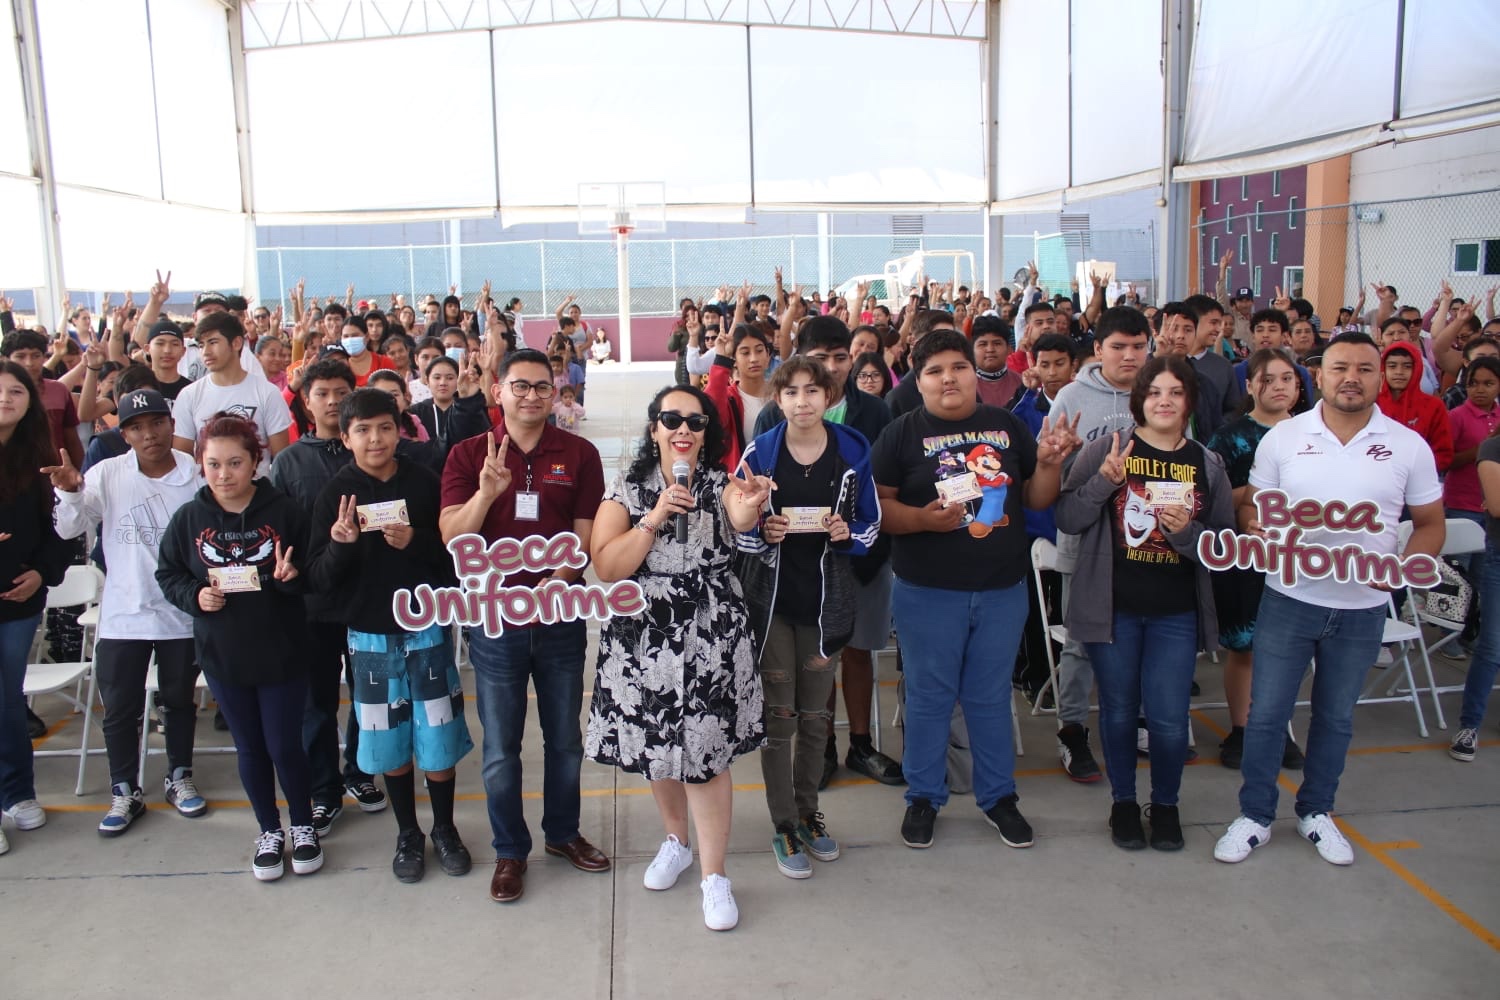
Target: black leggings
x,y
266,723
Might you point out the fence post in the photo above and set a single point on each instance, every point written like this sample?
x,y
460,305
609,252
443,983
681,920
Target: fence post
x,y
676,297
541,251
280,276
411,277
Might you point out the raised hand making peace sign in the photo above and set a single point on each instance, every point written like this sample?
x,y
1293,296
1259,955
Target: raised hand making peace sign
x,y
494,477
345,528
284,572
1113,466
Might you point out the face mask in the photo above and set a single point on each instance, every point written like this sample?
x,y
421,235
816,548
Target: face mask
x,y
456,353
354,345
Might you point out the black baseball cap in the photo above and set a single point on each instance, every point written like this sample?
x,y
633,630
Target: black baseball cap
x,y
210,299
164,328
141,403
1244,293
332,349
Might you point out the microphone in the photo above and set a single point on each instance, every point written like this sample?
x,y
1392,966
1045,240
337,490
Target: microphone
x,y
680,470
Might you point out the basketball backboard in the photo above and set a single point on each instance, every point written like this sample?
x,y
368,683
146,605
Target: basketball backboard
x,y
631,206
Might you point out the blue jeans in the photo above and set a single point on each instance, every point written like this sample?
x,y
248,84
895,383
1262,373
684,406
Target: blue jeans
x,y
551,656
1148,665
17,780
1288,635
958,646
1486,659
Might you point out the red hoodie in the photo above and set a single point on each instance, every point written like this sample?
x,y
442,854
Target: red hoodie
x,y
1422,412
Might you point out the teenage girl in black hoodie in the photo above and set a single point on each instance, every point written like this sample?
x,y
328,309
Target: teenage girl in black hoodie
x,y
230,559
32,558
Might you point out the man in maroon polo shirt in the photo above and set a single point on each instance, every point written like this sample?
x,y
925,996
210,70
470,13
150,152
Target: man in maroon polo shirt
x,y
524,478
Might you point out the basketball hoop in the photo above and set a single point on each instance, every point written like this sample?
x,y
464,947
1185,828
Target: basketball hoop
x,y
621,208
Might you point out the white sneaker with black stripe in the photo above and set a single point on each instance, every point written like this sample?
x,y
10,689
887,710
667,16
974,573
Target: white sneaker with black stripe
x,y
1243,836
1325,835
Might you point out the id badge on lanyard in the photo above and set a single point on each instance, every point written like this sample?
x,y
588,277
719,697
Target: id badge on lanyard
x,y
528,502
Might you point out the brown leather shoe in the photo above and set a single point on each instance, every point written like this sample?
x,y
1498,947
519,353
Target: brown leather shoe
x,y
507,884
581,855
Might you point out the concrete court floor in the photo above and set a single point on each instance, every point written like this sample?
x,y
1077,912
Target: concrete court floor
x,y
171,910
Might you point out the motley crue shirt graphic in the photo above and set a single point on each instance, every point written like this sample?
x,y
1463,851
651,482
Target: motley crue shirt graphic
x,y
981,463
1150,576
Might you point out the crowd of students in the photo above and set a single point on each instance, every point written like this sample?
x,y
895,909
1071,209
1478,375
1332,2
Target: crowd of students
x,y
259,493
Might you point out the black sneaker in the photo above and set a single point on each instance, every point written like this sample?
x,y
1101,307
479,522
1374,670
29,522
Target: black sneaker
x,y
1005,817
323,817
1125,826
410,862
830,765
36,726
1077,758
370,798
307,853
221,724
1232,750
1291,756
1166,829
269,848
874,764
916,827
451,853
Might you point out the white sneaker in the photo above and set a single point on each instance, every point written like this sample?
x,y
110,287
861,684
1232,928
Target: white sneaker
x,y
672,860
1332,846
1243,836
4,844
28,814
719,911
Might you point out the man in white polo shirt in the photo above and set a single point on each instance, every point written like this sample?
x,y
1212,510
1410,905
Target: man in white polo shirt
x,y
1340,454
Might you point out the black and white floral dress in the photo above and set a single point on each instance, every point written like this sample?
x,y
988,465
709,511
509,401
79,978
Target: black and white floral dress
x,y
676,694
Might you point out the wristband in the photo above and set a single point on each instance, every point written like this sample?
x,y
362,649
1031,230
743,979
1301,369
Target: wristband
x,y
646,525
99,369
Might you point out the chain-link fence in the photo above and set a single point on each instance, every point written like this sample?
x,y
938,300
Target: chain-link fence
x,y
1328,254
664,271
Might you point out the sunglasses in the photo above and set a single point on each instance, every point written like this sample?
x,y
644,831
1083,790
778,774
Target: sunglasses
x,y
671,420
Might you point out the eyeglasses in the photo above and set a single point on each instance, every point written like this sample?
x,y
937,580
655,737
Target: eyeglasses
x,y
868,376
521,389
671,420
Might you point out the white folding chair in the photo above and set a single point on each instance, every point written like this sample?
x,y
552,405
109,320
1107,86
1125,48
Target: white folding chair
x,y
1044,559
1463,537
153,685
81,585
1405,636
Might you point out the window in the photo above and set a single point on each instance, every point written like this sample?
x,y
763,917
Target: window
x,y
1229,219
1215,191
1291,278
1213,250
1255,282
1275,247
1244,251
1481,256
1258,206
1244,188
1276,184
1292,218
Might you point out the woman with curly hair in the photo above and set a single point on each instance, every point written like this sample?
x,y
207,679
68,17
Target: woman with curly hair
x,y
677,697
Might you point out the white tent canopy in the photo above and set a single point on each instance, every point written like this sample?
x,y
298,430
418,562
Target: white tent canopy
x,y
169,127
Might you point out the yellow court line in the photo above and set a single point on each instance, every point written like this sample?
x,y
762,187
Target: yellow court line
x,y
1379,851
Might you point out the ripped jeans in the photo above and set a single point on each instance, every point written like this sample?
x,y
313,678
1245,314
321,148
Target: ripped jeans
x,y
796,690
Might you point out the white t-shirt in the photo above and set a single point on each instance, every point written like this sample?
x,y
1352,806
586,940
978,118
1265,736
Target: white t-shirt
x,y
190,365
252,397
132,511
1385,462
